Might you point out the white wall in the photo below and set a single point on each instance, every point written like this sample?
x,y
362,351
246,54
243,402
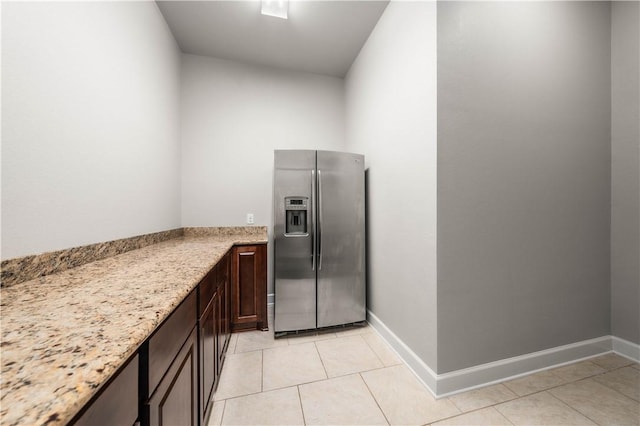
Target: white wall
x,y
625,170
90,136
233,117
391,119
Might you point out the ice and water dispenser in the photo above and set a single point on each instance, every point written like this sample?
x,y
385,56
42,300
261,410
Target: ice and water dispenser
x,y
297,213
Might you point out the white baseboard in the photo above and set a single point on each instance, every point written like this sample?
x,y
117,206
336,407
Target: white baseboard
x,y
511,368
425,374
446,384
625,348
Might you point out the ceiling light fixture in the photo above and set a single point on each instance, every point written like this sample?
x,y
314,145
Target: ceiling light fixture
x,y
277,8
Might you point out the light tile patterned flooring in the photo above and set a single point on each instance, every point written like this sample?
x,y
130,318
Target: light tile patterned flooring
x,y
352,377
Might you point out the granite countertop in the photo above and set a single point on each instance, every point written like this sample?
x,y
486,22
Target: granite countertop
x,y
64,335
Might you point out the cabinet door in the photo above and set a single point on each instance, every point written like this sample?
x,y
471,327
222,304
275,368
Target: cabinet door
x,y
118,402
226,300
169,338
175,401
249,287
222,324
208,356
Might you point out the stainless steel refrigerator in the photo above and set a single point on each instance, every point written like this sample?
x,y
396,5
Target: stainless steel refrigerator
x,y
319,239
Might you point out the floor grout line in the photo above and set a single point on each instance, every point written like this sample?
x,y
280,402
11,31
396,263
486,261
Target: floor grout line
x,y
374,351
494,405
499,412
326,373
224,409
547,391
572,407
374,398
304,419
518,397
237,396
464,413
615,390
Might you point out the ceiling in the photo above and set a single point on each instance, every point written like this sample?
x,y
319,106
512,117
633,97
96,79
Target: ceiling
x,y
322,37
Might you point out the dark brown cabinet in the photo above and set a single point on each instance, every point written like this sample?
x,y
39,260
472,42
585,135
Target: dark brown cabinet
x,y
167,340
208,356
172,378
214,320
171,381
221,334
224,307
249,287
175,401
208,342
117,403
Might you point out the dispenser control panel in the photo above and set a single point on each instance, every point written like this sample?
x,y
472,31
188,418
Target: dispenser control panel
x,y
295,203
296,209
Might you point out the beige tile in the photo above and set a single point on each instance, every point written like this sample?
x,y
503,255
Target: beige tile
x,y
216,414
291,365
278,407
382,349
625,380
541,409
487,416
354,331
578,371
295,340
636,366
534,383
256,340
346,355
340,401
611,361
403,399
599,403
241,375
484,397
232,343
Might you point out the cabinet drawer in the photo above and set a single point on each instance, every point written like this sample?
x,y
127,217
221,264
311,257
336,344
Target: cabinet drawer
x,y
117,404
167,340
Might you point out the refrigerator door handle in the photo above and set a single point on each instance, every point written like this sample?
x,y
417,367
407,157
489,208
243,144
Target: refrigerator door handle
x,y
313,220
319,220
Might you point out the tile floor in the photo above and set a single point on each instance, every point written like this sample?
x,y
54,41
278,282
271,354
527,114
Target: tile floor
x,y
352,377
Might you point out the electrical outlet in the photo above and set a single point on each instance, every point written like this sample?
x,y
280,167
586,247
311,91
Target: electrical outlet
x,y
250,218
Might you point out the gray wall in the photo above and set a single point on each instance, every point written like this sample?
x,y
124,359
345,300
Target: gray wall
x,y
233,116
523,178
625,173
90,124
391,118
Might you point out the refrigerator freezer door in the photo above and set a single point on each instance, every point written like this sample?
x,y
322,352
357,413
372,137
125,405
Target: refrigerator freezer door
x,y
294,272
341,239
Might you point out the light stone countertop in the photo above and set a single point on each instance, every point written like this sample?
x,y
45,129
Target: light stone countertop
x,y
64,335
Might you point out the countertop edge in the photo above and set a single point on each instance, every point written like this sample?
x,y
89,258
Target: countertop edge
x,y
117,359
